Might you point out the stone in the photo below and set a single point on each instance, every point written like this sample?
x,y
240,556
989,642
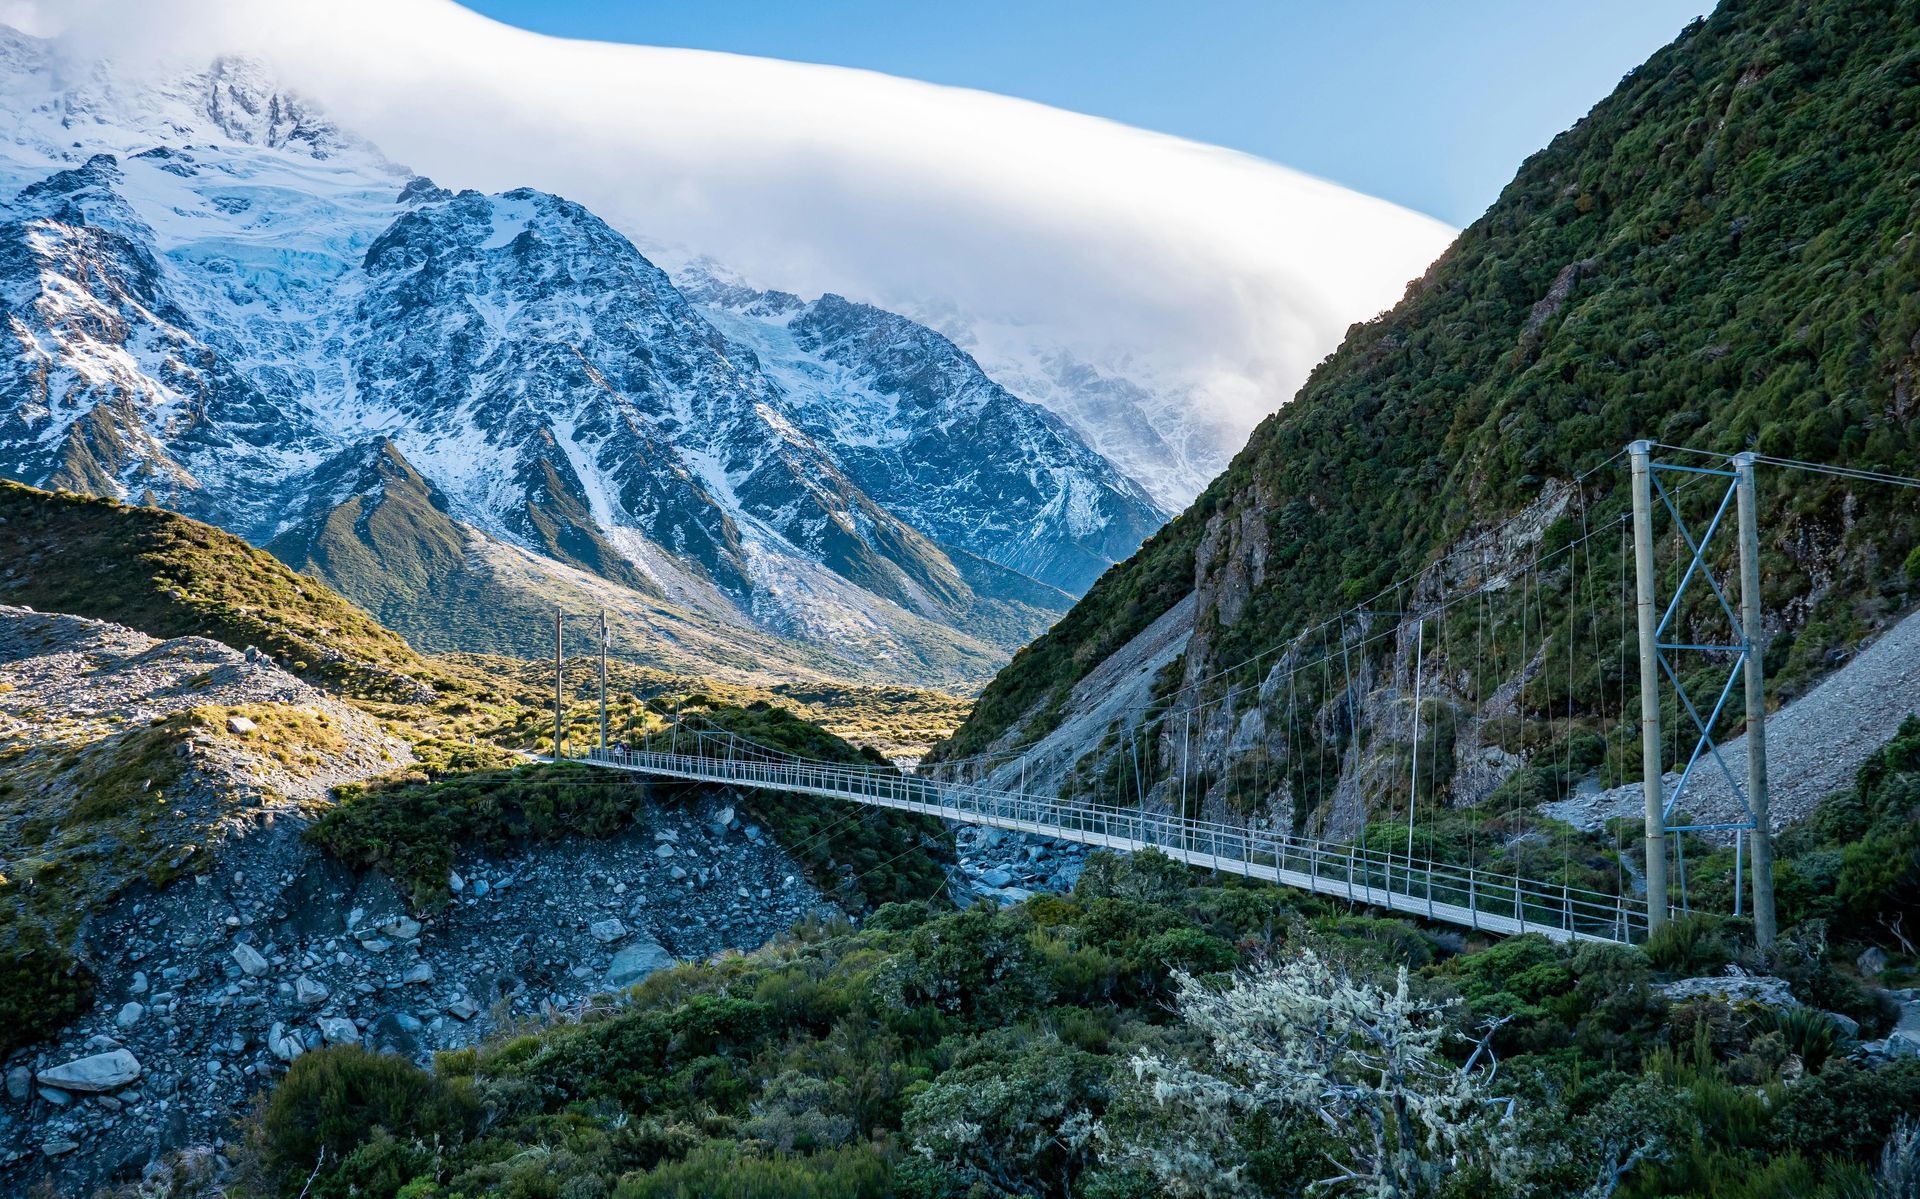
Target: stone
x,y
376,944
91,1075
239,725
251,963
55,1096
480,888
283,1044
338,1030
308,992
723,819
401,928
636,962
419,972
396,1029
663,851
19,1084
677,873
462,1009
1849,1027
58,1145
129,1015
1734,988
455,883
996,878
607,931
1872,961
138,984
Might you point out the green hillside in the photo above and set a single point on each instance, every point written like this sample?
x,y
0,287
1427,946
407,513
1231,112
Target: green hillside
x,y
169,576
1721,255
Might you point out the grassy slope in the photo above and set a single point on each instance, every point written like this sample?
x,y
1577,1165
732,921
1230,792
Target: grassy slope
x,y
1742,206
169,576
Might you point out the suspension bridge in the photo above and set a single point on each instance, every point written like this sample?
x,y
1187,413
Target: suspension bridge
x,y
1468,895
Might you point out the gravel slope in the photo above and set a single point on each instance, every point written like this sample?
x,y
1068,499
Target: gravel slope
x,y
1814,745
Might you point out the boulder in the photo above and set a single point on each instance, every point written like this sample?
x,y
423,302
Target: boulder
x,y
1734,988
607,931
462,1009
284,1044
1872,961
455,883
129,1015
636,962
252,964
996,878
308,992
240,726
19,1084
401,928
376,901
138,984
419,972
663,850
92,1075
396,1029
338,1030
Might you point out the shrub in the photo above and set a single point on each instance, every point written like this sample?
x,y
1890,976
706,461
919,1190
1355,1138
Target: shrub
x,y
1690,944
42,987
332,1098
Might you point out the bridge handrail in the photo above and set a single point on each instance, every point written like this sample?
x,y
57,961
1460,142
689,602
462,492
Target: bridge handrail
x,y
1366,872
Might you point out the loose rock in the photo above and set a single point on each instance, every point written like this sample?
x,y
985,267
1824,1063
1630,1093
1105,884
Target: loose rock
x,y
89,1075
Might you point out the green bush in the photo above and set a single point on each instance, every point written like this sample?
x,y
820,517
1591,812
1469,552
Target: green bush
x,y
715,1169
42,987
333,1099
1690,944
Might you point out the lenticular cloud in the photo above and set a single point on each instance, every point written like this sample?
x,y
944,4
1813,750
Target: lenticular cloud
x,y
1028,232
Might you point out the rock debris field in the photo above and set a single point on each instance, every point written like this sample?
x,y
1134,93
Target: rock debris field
x,y
209,987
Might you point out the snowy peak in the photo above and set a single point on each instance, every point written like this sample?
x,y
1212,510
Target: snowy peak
x,y
217,300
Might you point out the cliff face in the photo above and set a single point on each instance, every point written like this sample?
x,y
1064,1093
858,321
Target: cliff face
x,y
1719,256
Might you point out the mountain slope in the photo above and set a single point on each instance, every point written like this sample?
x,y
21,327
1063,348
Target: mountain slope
x,y
170,577
1720,255
229,301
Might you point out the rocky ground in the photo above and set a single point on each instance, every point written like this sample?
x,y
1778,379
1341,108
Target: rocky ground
x,y
208,986
1010,867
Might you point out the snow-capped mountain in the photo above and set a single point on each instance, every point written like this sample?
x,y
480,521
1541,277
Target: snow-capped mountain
x,y
214,299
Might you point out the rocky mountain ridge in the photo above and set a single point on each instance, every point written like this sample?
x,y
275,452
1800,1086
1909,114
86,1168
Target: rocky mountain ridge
x,y
220,302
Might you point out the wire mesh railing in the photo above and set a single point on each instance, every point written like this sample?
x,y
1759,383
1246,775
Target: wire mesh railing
x,y
1461,895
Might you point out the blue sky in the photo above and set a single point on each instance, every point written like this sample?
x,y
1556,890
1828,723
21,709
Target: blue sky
x,y
1428,103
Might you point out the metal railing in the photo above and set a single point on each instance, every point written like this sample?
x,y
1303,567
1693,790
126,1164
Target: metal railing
x,y
1466,896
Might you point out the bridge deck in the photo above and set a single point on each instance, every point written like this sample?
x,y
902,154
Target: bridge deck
x,y
1464,896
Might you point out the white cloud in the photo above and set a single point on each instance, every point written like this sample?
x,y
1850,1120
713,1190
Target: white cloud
x,y
1201,266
